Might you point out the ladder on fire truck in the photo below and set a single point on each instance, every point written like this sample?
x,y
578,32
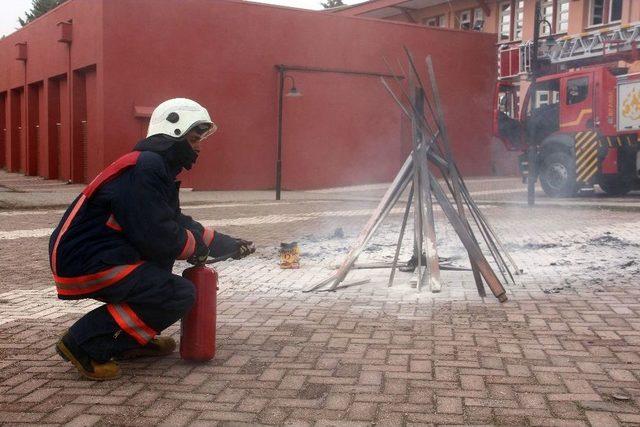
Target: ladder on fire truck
x,y
592,46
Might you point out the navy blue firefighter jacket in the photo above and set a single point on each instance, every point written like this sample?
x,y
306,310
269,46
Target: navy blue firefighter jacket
x,y
131,218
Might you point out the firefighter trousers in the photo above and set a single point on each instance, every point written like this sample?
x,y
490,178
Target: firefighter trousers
x,y
137,309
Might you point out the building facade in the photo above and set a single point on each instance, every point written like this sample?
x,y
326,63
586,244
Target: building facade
x,y
512,23
511,20
77,87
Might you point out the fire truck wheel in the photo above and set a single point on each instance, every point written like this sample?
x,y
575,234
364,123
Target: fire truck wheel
x,y
558,175
615,185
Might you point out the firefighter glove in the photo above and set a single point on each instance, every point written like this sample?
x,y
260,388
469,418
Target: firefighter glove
x,y
245,248
201,253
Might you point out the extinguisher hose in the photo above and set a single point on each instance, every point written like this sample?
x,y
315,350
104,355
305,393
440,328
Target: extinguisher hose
x,y
220,258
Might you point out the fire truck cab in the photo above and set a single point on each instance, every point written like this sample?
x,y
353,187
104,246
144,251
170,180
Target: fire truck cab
x,y
583,124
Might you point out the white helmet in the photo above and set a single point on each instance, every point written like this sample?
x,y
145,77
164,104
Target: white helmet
x,y
176,117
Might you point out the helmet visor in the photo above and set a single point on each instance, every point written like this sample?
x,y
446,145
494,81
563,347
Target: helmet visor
x,y
204,130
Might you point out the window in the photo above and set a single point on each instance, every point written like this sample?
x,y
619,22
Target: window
x,y
546,12
478,19
605,11
471,19
504,28
510,20
562,16
554,15
519,20
577,90
545,93
435,21
615,11
597,12
464,20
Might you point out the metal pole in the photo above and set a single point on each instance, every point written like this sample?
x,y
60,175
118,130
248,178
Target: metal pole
x,y
335,71
70,104
532,149
279,149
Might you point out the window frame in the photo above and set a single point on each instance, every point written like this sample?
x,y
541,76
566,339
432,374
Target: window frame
x,y
510,31
474,18
514,19
611,9
515,25
556,14
584,94
545,30
459,18
439,20
607,10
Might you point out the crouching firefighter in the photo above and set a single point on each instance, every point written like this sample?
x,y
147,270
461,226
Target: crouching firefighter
x,y
119,239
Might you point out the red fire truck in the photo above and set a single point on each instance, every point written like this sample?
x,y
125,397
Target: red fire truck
x,y
581,115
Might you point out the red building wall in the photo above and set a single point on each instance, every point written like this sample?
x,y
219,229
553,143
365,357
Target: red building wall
x,y
128,56
44,74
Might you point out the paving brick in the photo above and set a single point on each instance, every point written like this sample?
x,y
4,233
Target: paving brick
x,y
449,405
252,404
274,415
228,416
601,419
179,418
65,413
362,411
337,401
292,382
84,420
161,408
39,395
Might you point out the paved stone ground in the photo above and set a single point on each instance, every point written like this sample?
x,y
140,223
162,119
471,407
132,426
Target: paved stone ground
x,y
564,350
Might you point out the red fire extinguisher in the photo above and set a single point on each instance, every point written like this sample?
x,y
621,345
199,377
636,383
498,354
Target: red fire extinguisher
x,y
198,327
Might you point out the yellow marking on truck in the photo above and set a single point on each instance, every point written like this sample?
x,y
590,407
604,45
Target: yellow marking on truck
x,y
591,174
579,119
589,170
585,139
581,137
586,160
583,156
586,153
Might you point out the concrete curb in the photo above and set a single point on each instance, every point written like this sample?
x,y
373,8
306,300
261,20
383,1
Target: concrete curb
x,y
622,206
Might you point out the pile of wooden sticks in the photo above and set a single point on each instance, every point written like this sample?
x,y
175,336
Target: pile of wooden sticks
x,y
431,149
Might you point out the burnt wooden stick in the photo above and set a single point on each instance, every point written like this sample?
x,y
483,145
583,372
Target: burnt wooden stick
x,y
424,123
495,246
473,210
321,284
427,221
452,170
429,225
422,233
418,214
403,227
389,199
475,253
487,224
415,71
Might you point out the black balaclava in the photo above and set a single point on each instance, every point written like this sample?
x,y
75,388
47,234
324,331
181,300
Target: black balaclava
x,y
176,152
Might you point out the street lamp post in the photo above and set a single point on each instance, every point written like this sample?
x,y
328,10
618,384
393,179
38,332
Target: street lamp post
x,y
532,148
293,92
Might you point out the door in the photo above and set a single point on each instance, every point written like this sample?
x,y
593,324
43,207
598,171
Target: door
x,y
576,96
506,125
